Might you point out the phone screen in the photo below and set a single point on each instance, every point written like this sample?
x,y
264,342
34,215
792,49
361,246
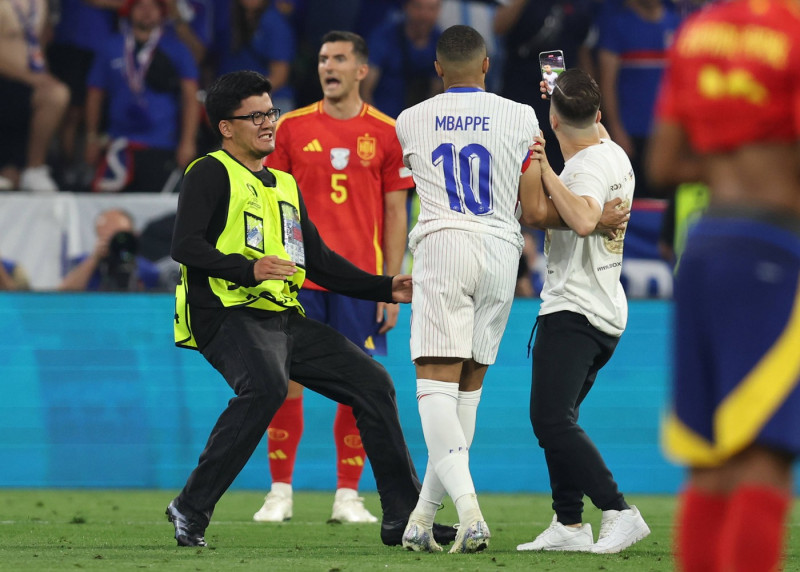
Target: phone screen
x,y
551,63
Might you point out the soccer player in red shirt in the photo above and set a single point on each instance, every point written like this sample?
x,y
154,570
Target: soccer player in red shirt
x,y
729,116
346,158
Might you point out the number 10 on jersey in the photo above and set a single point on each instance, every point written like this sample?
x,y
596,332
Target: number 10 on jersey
x,y
467,177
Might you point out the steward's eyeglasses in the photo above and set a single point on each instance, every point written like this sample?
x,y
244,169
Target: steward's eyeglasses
x,y
258,117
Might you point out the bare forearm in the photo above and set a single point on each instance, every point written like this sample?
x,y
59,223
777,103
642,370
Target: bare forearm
x,y
78,278
184,31
369,83
576,211
94,105
190,112
609,71
395,232
278,74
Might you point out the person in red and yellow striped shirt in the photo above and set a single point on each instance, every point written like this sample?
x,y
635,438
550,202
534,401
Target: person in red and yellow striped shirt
x,y
346,157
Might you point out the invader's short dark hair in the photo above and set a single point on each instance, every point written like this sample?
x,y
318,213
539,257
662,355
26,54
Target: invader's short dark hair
x,y
576,97
226,94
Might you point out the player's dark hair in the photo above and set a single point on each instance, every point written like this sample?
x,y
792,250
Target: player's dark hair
x,y
576,97
226,94
359,44
460,44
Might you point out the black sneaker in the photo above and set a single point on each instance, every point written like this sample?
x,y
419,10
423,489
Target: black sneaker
x,y
392,532
187,532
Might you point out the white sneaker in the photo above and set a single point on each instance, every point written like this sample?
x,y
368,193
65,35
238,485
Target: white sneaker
x,y
419,538
562,538
619,529
277,505
472,538
5,183
38,180
349,507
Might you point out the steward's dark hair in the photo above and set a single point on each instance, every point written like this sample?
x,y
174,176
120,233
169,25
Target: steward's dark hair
x,y
226,94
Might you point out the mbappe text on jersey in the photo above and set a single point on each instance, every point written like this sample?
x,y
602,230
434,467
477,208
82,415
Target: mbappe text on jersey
x,y
462,123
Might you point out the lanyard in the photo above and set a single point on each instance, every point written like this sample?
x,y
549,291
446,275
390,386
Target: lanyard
x,y
134,73
28,23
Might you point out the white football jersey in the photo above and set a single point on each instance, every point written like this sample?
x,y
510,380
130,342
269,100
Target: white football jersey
x,y
466,149
583,272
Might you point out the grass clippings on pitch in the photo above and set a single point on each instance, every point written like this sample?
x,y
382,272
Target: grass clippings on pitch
x,y
125,530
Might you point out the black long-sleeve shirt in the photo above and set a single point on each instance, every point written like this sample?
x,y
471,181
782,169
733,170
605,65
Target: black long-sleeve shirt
x,y
201,217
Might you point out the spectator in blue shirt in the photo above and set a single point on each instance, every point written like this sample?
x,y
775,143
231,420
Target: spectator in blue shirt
x,y
150,80
632,50
401,56
83,28
260,38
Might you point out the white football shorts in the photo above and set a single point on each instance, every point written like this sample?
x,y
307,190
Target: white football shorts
x,y
463,289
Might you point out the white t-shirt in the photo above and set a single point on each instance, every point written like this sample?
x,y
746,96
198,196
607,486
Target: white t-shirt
x,y
583,273
466,149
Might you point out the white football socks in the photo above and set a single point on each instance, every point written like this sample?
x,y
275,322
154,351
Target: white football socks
x,y
448,424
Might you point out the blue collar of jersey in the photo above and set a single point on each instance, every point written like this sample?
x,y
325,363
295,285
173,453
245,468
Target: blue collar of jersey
x,y
463,89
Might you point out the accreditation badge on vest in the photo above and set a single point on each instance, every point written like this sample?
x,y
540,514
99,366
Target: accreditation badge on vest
x,y
292,233
254,232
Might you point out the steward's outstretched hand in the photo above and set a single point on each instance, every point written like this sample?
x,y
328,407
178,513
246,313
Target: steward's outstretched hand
x,y
273,268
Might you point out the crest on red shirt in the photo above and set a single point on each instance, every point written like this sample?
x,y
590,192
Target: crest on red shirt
x,y
340,157
366,147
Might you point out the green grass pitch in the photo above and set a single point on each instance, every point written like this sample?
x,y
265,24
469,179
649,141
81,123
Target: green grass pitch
x,y
127,530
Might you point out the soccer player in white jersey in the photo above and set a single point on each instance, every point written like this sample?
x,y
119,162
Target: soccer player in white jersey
x,y
549,77
467,150
582,316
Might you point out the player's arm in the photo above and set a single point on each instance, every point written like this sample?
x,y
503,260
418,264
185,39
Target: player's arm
x,y
395,233
538,210
395,230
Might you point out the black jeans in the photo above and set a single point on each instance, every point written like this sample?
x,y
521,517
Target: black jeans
x,y
257,356
567,354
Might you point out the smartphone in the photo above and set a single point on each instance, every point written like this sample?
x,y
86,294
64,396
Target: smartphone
x,y
551,63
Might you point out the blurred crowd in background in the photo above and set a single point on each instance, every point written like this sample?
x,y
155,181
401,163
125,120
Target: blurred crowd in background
x,y
106,95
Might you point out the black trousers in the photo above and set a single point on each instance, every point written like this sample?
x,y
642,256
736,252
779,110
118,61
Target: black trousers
x,y
257,356
567,354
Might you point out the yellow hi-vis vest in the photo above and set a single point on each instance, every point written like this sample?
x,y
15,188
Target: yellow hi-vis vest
x,y
262,221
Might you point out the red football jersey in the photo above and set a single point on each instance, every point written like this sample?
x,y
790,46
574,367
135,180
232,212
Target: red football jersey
x,y
733,75
343,169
